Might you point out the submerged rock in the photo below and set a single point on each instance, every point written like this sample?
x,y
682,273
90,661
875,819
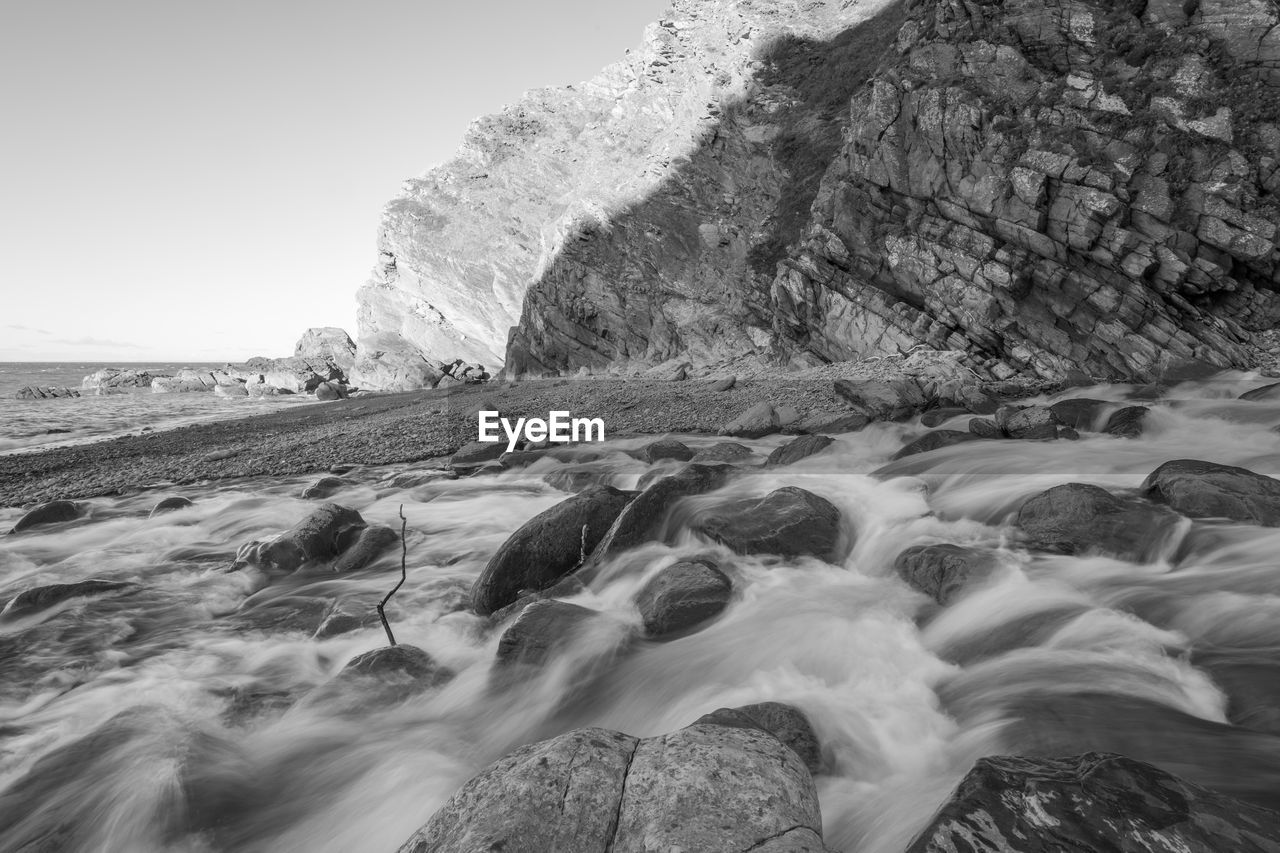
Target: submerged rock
x,y
789,522
40,598
1266,392
1128,422
935,440
1078,518
1209,490
384,676
324,487
171,504
640,520
800,448
1079,413
544,628
547,547
52,512
322,535
682,597
943,571
1091,802
372,543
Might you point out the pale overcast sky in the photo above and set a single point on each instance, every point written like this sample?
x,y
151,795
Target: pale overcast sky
x,y
203,181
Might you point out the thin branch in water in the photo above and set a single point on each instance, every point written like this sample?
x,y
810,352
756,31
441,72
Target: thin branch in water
x,y
404,574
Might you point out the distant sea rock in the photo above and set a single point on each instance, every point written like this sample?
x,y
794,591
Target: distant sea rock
x,y
36,392
112,380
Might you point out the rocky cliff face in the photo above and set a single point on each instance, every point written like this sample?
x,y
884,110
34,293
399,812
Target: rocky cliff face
x,y
1041,184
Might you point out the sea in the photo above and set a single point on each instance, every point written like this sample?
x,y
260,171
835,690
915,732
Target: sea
x,y
27,425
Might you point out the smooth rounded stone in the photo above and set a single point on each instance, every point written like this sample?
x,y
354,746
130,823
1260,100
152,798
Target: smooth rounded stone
x,y
566,587
382,677
725,384
985,428
942,571
330,391
1079,413
560,794
41,598
324,487
832,423
171,504
1094,801
789,522
579,477
1266,392
1027,422
322,535
936,417
236,389
1209,490
345,617
1128,422
371,544
683,596
800,448
935,440
724,451
785,722
477,453
544,628
640,521
756,422
53,512
547,547
666,448
880,400
1078,518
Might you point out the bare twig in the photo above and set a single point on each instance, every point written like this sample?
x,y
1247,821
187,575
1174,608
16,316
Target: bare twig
x,y
404,574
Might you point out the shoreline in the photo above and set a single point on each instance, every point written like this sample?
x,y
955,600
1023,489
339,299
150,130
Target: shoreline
x,y
381,429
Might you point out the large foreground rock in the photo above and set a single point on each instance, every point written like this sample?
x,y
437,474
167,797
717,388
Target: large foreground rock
x,y
1078,518
943,571
547,547
1210,490
1091,802
790,522
707,787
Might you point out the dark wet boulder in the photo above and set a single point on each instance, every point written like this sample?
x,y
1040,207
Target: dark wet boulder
x,y
756,422
171,504
666,448
52,512
547,627
880,400
789,522
703,788
641,520
567,587
476,454
1128,422
785,722
324,487
345,617
1209,490
1266,392
937,417
41,598
832,423
935,440
323,534
724,451
1079,413
943,571
373,541
1029,422
683,596
985,428
800,448
547,547
1078,518
1091,802
381,677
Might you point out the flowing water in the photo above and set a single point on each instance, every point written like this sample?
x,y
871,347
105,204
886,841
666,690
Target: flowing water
x,y
219,748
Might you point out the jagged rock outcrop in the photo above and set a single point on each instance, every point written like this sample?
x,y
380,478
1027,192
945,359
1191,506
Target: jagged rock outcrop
x,y
44,392
1049,184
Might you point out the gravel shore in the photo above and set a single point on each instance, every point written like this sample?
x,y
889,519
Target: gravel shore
x,y
381,429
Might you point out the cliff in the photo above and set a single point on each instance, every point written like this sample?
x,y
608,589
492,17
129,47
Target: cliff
x,y
1042,184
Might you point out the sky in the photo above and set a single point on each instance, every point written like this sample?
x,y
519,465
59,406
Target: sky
x,y
202,181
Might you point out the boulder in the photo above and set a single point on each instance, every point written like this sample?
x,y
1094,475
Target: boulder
x,y
789,522
681,597
322,535
52,512
110,380
40,598
756,422
1128,422
547,547
1094,801
936,417
725,384
384,676
1266,392
170,504
1078,518
880,400
329,344
985,428
324,487
800,448
724,451
544,628
943,571
666,448
640,520
36,392
935,440
477,453
372,542
785,722
832,423
1079,413
235,389
1209,490
1033,422
707,787
330,391
185,381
